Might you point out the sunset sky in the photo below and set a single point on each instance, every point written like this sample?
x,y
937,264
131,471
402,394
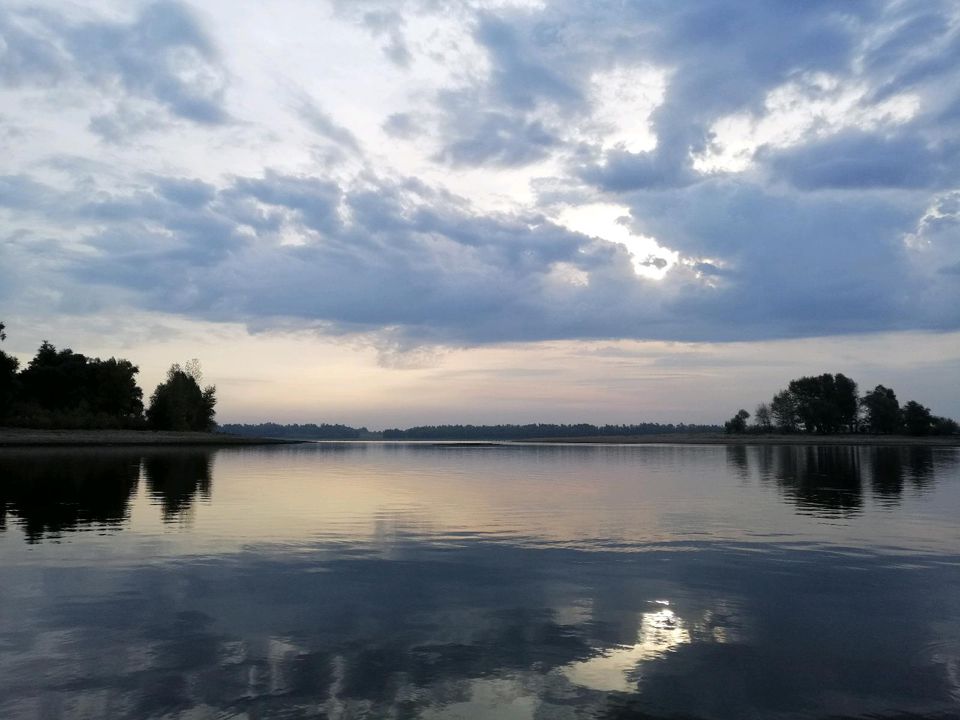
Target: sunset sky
x,y
391,212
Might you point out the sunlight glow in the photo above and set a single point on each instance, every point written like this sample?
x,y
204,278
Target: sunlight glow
x,y
610,222
624,99
661,631
816,105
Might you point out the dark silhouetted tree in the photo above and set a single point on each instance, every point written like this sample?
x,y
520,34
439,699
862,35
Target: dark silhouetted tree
x,y
54,380
783,409
825,403
180,404
882,410
945,426
8,378
763,418
113,389
70,389
917,419
846,398
737,424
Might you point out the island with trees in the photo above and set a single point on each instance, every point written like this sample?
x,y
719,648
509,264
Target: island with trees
x,y
64,397
830,405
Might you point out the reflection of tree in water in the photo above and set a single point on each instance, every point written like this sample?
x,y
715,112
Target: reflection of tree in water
x,y
829,479
820,479
176,478
737,460
56,492
894,468
919,465
886,464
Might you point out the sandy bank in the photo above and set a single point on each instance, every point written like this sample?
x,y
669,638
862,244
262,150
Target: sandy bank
x,y
18,437
721,439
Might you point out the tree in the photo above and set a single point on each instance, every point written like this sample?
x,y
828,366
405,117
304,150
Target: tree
x,y
882,410
847,401
8,377
945,426
917,419
180,404
762,417
112,388
65,384
738,423
783,408
825,403
55,379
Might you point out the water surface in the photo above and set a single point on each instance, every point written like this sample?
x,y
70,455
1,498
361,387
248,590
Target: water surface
x,y
422,581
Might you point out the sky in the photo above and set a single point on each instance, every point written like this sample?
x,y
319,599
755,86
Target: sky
x,y
396,212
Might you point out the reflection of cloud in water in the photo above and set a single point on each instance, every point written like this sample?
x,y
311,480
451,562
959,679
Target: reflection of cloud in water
x,y
467,588
661,631
490,699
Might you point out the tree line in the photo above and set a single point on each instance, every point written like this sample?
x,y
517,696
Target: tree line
x,y
63,389
830,404
311,431
533,431
305,431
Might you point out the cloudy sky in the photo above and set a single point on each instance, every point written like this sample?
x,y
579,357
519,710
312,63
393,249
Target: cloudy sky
x,y
391,212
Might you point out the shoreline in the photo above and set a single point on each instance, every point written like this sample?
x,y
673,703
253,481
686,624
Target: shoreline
x,y
27,437
722,439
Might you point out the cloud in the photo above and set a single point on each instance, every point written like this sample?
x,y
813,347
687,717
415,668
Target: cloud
x,y
400,125
562,105
519,79
325,126
390,25
397,257
861,160
162,56
495,138
30,53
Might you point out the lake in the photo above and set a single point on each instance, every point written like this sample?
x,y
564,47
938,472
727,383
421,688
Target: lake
x,y
426,581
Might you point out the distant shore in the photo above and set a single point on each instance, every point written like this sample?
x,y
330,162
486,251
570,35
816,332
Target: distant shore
x,y
748,439
23,437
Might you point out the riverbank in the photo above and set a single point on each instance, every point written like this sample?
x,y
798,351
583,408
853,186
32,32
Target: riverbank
x,y
723,439
23,437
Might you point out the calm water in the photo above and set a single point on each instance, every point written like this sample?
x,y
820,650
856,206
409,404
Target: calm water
x,y
406,581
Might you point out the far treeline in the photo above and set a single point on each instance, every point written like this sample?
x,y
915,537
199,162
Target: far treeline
x,y
462,432
63,389
830,404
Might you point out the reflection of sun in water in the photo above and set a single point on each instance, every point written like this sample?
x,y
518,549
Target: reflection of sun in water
x,y
608,222
660,632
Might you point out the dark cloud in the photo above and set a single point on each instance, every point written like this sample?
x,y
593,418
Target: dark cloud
x,y
866,160
399,256
325,126
162,56
30,53
519,78
492,138
20,192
